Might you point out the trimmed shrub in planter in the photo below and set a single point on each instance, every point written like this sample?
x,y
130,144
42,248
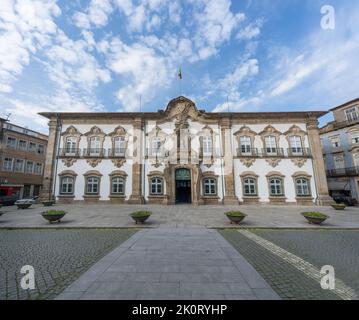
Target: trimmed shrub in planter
x,y
235,216
53,215
140,216
339,206
48,203
315,217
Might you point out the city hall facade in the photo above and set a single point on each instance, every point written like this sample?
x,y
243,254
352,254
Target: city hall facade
x,y
185,155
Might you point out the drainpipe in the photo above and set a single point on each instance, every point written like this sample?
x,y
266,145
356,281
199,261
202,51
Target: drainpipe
x,y
57,141
221,155
143,159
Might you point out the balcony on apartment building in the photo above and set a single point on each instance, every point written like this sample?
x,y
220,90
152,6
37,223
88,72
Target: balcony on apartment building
x,y
343,172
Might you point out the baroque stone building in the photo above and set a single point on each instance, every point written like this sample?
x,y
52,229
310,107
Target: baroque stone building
x,y
340,143
185,155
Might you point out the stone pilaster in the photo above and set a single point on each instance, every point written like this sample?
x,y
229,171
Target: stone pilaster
x,y
51,150
323,197
228,167
138,159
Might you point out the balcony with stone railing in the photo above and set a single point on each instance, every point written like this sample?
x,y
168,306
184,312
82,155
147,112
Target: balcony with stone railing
x,y
274,153
343,172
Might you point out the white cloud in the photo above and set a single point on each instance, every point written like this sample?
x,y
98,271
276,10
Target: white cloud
x,y
250,31
96,14
25,27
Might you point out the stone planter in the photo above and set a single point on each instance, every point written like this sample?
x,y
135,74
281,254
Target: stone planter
x,y
339,206
53,217
315,220
23,205
48,203
140,220
140,216
235,218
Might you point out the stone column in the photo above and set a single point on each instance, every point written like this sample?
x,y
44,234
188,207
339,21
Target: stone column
x,y
228,167
51,149
138,161
320,177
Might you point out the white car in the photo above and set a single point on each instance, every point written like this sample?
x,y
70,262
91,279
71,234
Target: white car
x,y
32,201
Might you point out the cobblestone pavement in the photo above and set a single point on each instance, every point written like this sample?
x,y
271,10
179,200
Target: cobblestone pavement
x,y
82,215
58,257
318,247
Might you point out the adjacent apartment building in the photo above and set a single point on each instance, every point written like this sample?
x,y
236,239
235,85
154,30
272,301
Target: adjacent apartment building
x,y
185,155
340,143
22,160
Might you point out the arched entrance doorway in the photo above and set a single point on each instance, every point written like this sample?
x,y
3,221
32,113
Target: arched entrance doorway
x,y
183,185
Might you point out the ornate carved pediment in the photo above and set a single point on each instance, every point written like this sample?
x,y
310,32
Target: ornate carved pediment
x,y
71,131
274,162
270,130
95,131
93,162
299,162
119,162
68,162
245,131
248,162
119,131
295,131
181,109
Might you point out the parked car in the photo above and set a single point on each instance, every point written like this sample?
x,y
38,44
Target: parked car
x,y
349,201
31,200
8,200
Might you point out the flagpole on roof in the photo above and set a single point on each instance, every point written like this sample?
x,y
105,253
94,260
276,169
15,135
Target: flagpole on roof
x,y
180,80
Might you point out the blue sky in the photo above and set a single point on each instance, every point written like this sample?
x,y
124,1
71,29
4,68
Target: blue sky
x,y
239,55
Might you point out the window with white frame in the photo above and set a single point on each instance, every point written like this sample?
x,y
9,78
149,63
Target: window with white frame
x,y
95,145
156,146
156,186
40,149
245,144
207,145
351,114
71,143
19,165
335,142
302,187
11,142
66,185
22,145
120,146
276,186
209,187
32,146
7,164
29,168
38,168
339,162
271,145
355,138
117,185
249,186
92,185
296,145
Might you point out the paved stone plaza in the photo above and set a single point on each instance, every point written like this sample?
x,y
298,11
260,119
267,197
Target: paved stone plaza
x,y
58,257
181,216
158,264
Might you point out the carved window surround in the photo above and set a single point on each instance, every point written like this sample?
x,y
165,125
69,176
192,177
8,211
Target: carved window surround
x,y
153,135
271,131
120,197
89,197
276,199
246,132
295,131
209,198
70,132
303,200
119,132
67,198
249,199
207,159
94,132
155,198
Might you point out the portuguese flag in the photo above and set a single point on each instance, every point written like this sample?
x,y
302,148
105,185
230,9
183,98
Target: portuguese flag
x,y
180,73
